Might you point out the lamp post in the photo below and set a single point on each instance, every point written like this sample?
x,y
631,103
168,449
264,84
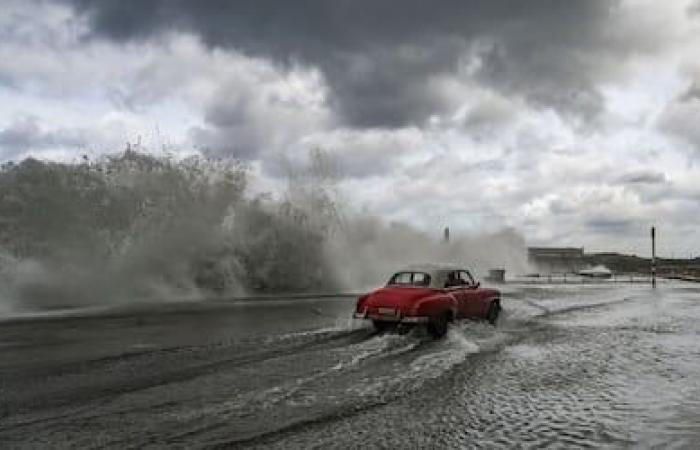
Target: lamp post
x,y
653,257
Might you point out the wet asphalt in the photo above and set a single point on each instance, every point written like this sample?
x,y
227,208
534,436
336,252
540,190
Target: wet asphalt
x,y
607,365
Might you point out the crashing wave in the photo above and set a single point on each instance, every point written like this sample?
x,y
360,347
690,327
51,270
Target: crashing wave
x,y
135,226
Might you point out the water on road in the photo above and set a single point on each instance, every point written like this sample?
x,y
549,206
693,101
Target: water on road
x,y
568,366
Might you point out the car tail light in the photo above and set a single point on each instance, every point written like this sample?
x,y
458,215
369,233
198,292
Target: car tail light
x,y
361,303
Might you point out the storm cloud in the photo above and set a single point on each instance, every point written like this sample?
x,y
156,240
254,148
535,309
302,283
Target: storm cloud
x,y
25,134
681,116
573,122
384,60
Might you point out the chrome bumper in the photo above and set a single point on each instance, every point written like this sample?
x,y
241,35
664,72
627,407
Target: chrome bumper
x,y
397,319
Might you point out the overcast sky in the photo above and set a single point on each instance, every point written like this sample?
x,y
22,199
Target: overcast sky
x,y
576,122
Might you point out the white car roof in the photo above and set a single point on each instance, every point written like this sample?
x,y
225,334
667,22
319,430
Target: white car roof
x,y
427,267
438,272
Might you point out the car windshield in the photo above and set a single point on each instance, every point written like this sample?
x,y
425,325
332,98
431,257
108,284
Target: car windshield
x,y
410,279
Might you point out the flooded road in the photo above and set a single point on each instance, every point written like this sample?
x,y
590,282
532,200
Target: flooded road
x,y
573,366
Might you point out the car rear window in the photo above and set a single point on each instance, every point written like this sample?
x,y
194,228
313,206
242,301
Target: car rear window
x,y
410,279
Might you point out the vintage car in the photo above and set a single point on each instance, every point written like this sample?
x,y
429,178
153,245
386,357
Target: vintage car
x,y
430,295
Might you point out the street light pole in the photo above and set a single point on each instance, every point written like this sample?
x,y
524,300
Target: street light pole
x,y
653,257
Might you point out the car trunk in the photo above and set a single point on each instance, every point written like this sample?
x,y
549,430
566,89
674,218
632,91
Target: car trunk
x,y
397,297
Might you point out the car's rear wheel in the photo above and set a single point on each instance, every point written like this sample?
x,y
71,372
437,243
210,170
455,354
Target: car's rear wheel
x,y
437,327
493,313
380,325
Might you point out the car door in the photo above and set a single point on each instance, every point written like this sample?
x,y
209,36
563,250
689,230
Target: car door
x,y
483,297
470,295
454,286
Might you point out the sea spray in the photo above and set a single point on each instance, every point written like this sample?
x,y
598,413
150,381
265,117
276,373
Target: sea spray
x,y
133,227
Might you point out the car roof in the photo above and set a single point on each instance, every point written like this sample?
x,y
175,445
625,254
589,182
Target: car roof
x,y
438,272
431,268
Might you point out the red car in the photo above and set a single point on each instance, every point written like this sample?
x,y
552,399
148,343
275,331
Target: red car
x,y
429,295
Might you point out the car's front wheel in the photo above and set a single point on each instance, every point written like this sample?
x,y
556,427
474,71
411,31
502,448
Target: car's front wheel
x,y
437,326
493,313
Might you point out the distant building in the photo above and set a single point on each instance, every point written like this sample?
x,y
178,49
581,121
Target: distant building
x,y
556,259
496,276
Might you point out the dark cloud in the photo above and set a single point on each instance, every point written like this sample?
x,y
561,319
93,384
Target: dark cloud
x,y
354,154
609,225
643,177
692,93
250,121
490,117
546,74
25,134
694,8
380,57
229,129
558,207
680,119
